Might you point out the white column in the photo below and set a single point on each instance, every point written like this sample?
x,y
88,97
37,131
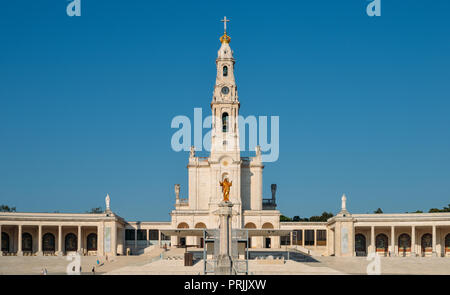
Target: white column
x,y
372,239
1,252
333,241
260,188
19,242
315,238
100,240
303,237
60,240
148,237
79,238
329,241
393,252
59,253
40,240
159,238
434,241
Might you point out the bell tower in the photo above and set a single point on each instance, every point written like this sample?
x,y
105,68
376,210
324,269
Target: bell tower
x,y
225,104
243,191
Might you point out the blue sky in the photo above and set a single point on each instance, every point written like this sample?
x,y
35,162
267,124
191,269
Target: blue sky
x,y
86,102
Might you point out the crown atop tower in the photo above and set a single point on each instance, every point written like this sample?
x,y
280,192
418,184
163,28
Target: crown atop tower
x,y
225,51
225,38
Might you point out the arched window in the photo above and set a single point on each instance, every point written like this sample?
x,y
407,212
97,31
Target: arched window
x,y
183,225
427,243
360,245
70,242
381,243
5,242
27,242
225,71
267,225
48,242
225,122
404,244
92,242
250,225
200,225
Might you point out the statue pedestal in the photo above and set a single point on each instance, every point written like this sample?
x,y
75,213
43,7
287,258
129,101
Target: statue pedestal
x,y
224,262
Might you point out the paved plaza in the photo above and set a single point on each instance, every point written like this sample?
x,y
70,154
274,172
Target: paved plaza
x,y
154,265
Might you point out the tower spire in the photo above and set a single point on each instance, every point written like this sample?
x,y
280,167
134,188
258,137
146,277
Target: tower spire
x,y
225,103
225,38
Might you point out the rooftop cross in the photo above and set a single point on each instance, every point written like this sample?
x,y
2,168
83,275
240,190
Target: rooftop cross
x,y
225,20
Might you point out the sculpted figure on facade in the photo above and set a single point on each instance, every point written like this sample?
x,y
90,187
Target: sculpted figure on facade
x,y
226,189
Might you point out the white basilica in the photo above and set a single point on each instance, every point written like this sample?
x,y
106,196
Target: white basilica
x,y
346,234
224,162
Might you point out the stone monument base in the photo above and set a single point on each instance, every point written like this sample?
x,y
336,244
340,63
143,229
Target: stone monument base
x,y
224,265
224,262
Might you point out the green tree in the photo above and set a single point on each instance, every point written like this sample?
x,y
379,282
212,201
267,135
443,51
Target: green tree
x,y
378,211
322,218
436,210
284,218
5,208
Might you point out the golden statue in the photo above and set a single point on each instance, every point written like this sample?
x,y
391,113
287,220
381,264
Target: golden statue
x,y
226,189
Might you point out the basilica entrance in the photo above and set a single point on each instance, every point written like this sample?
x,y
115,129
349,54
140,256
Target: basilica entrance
x,y
360,245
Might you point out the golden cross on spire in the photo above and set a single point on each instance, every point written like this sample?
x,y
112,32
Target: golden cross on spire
x,y
225,20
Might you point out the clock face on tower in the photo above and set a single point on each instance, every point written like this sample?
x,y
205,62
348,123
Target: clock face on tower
x,y
225,90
